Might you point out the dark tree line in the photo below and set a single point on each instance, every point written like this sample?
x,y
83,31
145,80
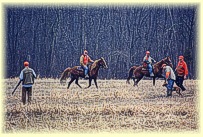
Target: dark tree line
x,y
53,38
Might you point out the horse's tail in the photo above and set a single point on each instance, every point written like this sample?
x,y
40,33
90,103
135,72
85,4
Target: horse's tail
x,y
65,74
130,74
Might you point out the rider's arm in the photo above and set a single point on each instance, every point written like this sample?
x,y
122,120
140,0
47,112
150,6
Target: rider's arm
x,y
144,59
153,60
81,61
90,60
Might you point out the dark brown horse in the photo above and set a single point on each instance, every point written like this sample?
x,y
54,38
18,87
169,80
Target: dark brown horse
x,y
75,73
139,71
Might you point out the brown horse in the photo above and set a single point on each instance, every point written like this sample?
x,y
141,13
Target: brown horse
x,y
140,71
75,73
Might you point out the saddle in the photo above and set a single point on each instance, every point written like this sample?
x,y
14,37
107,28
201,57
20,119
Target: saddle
x,y
80,68
144,66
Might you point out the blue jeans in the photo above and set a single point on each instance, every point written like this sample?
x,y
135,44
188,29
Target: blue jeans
x,y
169,86
150,68
85,69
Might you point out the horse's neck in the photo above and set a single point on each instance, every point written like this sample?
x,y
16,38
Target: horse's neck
x,y
159,64
95,66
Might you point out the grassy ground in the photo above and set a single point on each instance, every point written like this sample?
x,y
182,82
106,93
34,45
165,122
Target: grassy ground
x,y
114,107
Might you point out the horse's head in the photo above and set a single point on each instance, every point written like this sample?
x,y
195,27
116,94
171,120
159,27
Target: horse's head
x,y
102,63
167,61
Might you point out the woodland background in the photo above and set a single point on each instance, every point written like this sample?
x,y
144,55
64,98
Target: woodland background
x,y
52,38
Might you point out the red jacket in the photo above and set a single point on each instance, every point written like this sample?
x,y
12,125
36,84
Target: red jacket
x,y
182,68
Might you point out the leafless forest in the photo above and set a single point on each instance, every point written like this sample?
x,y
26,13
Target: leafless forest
x,y
52,38
114,107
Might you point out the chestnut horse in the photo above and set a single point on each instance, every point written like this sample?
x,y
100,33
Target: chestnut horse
x,y
76,72
139,71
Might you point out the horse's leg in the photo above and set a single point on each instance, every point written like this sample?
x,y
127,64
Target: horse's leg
x,y
134,81
76,82
138,79
130,74
95,81
90,81
128,80
153,81
72,79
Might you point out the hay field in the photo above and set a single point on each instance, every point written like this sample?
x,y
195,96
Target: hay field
x,y
114,107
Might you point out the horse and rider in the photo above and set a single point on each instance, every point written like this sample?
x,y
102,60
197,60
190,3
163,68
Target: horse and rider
x,y
147,69
161,69
88,72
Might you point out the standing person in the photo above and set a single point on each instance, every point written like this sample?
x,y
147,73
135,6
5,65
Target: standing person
x,y
27,76
170,77
149,60
84,60
181,72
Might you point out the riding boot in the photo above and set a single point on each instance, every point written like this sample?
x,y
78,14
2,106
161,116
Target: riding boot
x,y
170,92
152,74
86,77
167,93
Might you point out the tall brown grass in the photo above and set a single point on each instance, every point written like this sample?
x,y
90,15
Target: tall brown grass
x,y
114,107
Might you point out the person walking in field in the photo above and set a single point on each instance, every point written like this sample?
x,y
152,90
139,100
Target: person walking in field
x,y
27,76
169,74
149,60
181,72
84,60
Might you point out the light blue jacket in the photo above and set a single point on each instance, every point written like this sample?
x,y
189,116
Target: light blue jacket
x,y
172,74
21,77
150,59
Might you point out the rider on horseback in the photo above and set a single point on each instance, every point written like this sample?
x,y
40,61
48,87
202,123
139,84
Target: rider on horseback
x,y
84,60
149,60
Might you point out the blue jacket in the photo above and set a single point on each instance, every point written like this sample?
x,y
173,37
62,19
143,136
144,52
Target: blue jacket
x,y
150,60
21,77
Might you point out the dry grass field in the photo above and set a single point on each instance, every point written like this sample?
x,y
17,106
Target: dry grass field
x,y
114,107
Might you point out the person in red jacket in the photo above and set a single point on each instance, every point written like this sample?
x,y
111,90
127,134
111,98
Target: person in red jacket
x,y
84,60
181,72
